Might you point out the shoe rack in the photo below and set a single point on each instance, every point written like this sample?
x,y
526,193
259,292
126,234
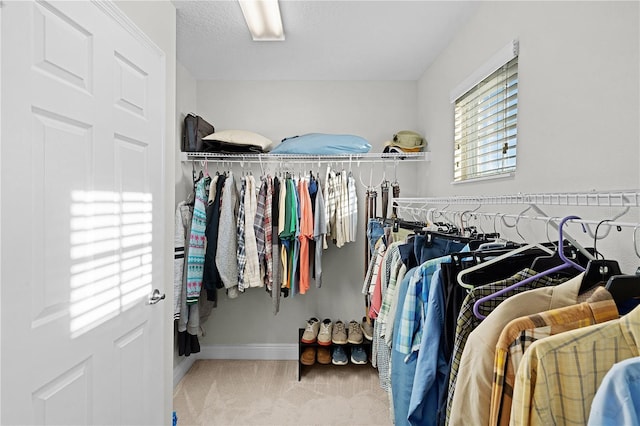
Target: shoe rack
x,y
366,344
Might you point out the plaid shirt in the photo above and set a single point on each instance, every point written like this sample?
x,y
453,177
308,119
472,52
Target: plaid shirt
x,y
240,250
410,329
252,270
258,225
268,252
380,351
559,375
467,321
520,333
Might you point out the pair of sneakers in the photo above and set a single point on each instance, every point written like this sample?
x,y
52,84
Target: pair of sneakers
x,y
341,335
325,332
358,355
321,332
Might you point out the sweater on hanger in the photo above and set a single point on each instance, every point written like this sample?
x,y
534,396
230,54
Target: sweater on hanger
x,y
225,257
212,279
182,224
196,258
252,269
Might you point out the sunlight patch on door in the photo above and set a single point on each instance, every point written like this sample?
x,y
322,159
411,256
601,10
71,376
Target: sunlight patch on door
x,y
111,255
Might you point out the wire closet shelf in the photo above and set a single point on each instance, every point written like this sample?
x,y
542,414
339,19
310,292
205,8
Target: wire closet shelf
x,y
618,198
267,158
622,198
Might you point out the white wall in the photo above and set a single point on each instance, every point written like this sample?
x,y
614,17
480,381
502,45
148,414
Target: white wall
x,y
578,95
158,20
277,109
578,115
185,104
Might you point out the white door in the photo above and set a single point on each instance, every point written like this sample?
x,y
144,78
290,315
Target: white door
x,y
81,217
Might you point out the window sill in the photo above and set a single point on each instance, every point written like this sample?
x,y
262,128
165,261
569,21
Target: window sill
x,y
483,178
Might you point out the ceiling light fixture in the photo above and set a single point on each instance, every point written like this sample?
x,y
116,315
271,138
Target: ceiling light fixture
x,y
263,19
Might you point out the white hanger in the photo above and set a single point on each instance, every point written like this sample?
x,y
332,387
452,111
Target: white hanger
x,y
500,258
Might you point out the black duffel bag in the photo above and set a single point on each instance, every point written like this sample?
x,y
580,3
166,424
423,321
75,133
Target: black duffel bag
x,y
195,128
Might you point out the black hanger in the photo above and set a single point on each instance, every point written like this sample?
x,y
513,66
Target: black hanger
x,y
624,287
446,236
598,272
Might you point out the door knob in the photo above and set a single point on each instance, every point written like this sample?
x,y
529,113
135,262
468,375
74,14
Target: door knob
x,y
156,297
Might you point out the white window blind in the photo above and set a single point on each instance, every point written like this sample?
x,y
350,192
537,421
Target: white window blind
x,y
486,126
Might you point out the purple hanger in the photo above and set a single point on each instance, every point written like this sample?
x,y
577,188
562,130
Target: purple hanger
x,y
567,263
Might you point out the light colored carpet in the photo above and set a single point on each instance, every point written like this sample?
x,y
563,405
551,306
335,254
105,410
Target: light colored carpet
x,y
224,392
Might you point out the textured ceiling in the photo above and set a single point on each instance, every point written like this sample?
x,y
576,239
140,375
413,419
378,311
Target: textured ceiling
x,y
325,40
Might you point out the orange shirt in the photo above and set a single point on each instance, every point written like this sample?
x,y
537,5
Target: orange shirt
x,y
306,233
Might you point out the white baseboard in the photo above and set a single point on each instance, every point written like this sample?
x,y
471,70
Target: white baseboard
x,y
181,369
259,351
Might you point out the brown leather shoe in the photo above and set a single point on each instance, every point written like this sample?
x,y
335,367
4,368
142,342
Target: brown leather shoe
x,y
324,356
308,356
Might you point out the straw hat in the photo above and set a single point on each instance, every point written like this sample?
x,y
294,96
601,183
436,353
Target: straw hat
x,y
405,141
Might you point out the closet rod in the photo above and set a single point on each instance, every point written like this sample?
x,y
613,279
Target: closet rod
x,y
474,214
268,158
617,198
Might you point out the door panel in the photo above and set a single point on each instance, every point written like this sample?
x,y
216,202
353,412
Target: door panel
x,y
81,219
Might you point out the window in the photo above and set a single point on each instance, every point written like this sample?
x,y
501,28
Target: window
x,y
486,125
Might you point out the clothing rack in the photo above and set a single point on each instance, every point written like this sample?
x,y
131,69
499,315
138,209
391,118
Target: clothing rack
x,y
621,198
617,198
268,158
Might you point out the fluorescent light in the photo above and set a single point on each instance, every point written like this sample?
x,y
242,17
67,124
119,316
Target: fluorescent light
x,y
263,19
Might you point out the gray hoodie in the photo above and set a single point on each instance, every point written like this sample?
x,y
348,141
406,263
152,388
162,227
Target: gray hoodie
x,y
226,255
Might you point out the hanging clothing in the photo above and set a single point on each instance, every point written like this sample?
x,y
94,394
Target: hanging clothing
x,y
342,210
353,207
267,224
284,233
617,401
189,320
240,234
332,204
520,333
263,230
252,268
294,275
212,280
475,373
559,370
467,321
196,258
430,377
181,230
319,230
305,234
275,246
225,259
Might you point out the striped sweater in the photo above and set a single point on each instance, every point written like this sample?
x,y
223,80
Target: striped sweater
x,y
195,259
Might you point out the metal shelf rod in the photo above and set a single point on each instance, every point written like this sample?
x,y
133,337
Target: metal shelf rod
x,y
267,158
474,214
621,198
